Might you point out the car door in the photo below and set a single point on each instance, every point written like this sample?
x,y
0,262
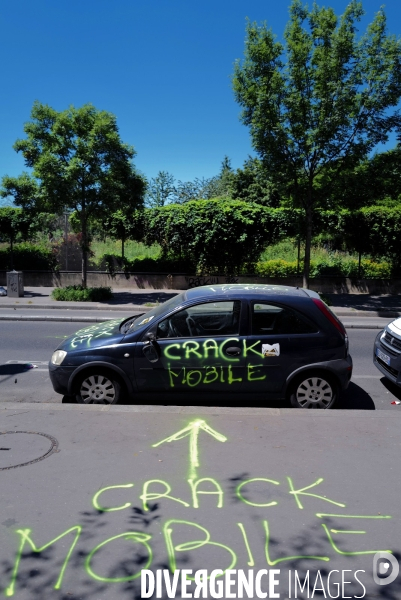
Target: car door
x,y
197,348
279,342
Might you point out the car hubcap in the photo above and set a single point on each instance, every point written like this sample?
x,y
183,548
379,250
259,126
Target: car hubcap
x,y
97,389
314,393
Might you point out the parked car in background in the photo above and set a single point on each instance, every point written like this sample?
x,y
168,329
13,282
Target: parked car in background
x,y
230,340
387,351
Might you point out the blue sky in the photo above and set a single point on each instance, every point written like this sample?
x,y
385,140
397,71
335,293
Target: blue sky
x,y
162,67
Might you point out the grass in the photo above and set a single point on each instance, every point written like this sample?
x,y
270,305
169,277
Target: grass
x,y
288,250
76,293
132,249
285,250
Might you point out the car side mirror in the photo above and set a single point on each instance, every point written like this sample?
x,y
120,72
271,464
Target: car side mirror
x,y
151,348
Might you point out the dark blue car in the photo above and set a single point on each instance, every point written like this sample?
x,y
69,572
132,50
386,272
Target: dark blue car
x,y
223,340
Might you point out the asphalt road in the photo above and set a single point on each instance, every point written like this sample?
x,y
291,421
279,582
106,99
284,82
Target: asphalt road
x,y
34,342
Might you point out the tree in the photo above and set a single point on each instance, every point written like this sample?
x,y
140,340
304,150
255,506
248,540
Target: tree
x,y
382,176
161,190
322,99
203,188
15,223
129,198
375,180
222,184
185,191
252,183
21,191
79,162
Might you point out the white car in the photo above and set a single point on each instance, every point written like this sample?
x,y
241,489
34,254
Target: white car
x,y
387,351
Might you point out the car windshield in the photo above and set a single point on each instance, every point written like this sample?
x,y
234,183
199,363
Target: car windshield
x,y
165,307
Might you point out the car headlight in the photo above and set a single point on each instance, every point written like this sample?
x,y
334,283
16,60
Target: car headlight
x,y
58,357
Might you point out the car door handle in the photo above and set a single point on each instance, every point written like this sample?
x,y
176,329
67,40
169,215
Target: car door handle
x,y
233,351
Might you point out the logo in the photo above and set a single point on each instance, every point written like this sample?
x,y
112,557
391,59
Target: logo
x,y
385,568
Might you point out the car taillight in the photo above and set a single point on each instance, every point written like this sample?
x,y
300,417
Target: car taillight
x,y
330,316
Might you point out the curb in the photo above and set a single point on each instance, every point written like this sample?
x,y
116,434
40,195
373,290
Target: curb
x,y
199,410
382,314
55,318
79,306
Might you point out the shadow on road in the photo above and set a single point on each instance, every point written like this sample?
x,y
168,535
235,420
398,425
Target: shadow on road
x,y
355,398
149,297
391,387
366,302
13,369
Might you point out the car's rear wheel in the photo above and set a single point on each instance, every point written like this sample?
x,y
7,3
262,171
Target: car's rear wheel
x,y
96,388
314,391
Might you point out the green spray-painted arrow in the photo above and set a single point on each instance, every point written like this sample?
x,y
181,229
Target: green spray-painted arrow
x,y
192,430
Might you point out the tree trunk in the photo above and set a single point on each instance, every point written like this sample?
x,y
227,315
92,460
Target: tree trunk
x,y
122,248
308,241
84,260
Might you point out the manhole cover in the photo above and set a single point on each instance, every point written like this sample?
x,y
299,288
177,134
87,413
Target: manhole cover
x,y
20,448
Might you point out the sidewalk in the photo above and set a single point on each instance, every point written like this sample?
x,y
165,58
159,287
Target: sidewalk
x,y
91,495
123,299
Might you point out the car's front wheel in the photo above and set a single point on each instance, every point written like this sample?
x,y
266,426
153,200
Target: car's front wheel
x,y
314,391
95,388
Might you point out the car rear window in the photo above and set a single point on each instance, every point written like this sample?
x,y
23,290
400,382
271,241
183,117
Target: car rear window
x,y
273,319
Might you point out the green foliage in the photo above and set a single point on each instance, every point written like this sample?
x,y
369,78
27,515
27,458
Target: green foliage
x,y
22,190
322,101
160,190
381,228
375,180
276,268
14,222
162,265
286,249
373,230
79,163
337,266
17,224
28,257
146,264
132,249
218,236
77,293
252,184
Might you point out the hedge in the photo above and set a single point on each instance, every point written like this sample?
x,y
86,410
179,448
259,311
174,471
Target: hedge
x,y
145,264
28,257
76,293
218,236
337,267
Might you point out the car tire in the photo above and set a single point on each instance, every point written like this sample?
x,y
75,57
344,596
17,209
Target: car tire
x,y
314,390
98,388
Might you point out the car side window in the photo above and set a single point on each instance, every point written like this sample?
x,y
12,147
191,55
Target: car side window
x,y
270,319
206,319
